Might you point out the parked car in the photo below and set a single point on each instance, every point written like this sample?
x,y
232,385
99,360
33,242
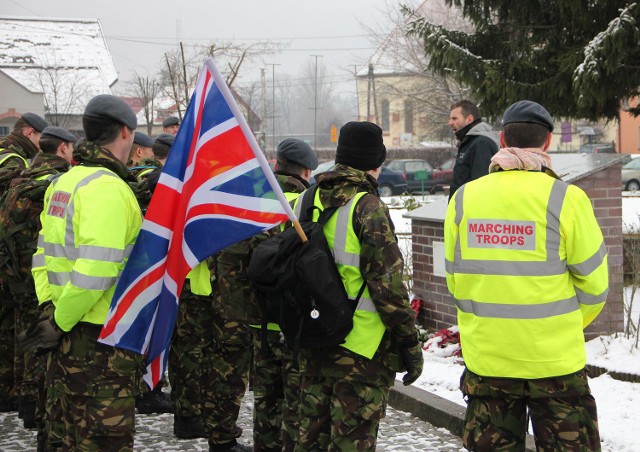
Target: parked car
x,y
390,182
631,175
443,175
418,173
597,148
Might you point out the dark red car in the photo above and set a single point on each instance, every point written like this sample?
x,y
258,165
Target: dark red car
x,y
443,175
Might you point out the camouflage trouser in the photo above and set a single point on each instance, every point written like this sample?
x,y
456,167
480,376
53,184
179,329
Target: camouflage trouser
x,y
275,394
53,422
95,386
185,355
339,415
562,409
227,352
8,394
31,367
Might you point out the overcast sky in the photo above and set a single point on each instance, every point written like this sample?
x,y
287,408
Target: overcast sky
x,y
139,32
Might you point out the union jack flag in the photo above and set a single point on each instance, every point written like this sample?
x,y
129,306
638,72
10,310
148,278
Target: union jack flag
x,y
216,189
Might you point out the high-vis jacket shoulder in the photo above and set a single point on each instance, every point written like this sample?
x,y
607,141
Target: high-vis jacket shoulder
x,y
525,259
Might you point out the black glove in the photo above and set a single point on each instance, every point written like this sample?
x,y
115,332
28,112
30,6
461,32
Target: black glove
x,y
41,337
410,351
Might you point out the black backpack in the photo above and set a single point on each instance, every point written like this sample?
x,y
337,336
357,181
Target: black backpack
x,y
299,285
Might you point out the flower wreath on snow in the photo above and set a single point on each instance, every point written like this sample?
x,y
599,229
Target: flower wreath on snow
x,y
445,342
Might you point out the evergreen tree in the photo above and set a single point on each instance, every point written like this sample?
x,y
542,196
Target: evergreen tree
x,y
578,58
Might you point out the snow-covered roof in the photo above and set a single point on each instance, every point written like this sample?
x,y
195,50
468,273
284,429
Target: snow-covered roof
x,y
66,59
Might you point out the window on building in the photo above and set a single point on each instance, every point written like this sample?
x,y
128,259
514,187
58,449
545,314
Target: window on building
x,y
408,116
385,115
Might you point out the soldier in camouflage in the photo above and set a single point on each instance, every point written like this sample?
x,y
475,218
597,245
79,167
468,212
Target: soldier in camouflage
x,y
227,359
275,378
19,225
90,221
16,149
186,356
522,307
344,393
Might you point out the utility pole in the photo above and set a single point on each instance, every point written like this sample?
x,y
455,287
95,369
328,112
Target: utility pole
x,y
315,105
371,92
263,93
355,74
273,102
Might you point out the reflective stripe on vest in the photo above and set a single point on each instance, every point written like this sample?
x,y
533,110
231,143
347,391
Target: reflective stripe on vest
x,y
552,266
368,329
6,157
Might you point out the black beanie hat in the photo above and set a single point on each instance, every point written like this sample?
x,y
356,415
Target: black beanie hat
x,y
360,146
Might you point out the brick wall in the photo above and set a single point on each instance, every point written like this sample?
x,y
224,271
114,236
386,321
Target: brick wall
x,y
603,188
438,310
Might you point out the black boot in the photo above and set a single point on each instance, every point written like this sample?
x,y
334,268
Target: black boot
x,y
233,446
28,413
188,427
155,401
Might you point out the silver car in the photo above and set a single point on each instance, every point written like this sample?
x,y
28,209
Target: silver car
x,y
631,175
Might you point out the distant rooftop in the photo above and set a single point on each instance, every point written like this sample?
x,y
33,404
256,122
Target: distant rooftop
x,y
67,56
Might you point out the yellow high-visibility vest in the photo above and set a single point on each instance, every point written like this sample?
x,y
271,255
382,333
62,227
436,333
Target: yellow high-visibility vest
x,y
90,222
526,264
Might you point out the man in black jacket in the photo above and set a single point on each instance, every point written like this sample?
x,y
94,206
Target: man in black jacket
x,y
477,145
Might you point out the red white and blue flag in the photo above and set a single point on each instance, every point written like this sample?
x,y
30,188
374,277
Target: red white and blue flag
x,y
215,190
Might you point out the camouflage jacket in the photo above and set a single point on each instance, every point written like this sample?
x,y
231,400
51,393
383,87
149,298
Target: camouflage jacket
x,y
20,220
14,143
238,300
146,173
382,266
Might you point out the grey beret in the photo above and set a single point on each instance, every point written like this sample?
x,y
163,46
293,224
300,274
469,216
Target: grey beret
x,y
298,152
527,111
170,121
106,106
143,139
59,132
35,121
166,138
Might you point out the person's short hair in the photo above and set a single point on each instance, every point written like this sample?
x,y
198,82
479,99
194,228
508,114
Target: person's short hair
x,y
50,144
160,149
467,107
20,125
285,166
525,135
101,131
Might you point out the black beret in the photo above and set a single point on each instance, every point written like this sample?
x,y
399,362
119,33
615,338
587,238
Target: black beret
x,y
106,106
297,151
35,121
142,139
360,146
527,111
170,121
59,132
166,138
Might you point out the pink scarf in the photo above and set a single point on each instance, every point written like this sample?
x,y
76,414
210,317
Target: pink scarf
x,y
528,159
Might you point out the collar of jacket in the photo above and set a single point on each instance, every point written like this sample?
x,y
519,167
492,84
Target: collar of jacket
x,y
46,164
462,133
21,145
90,154
293,181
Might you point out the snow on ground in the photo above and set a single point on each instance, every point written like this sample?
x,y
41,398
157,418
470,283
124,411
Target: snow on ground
x,y
618,402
